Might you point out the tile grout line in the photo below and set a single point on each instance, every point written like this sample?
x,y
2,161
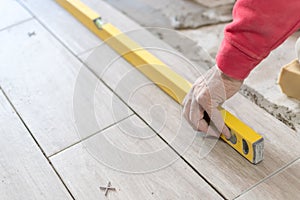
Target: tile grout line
x,y
91,135
71,52
141,118
48,30
268,177
77,56
33,17
16,24
88,50
36,142
84,64
184,160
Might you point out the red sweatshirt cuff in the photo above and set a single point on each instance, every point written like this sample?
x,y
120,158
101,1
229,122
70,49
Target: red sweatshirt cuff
x,y
233,62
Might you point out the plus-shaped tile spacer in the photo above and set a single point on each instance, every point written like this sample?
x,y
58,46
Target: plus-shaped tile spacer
x,y
108,187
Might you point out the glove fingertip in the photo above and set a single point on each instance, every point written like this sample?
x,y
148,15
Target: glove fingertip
x,y
202,126
226,132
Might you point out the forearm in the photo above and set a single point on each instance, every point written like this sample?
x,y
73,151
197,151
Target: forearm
x,y
257,28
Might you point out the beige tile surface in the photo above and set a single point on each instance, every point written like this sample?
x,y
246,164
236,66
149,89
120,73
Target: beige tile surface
x,y
59,100
24,171
284,185
134,148
43,78
68,29
222,166
12,13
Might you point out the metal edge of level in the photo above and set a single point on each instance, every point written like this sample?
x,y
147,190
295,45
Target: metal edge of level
x,y
257,146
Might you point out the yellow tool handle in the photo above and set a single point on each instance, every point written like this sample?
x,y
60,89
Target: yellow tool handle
x,y
244,139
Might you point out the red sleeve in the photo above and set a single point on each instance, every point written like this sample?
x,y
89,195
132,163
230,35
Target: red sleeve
x,y
258,27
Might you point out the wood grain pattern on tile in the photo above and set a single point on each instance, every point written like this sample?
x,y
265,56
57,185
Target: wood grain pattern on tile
x,y
71,32
12,12
24,171
59,100
122,154
221,165
283,185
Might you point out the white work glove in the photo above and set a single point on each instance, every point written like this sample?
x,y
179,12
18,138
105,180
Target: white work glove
x,y
207,94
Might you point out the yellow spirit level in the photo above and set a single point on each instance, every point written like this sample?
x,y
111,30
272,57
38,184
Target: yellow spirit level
x,y
244,139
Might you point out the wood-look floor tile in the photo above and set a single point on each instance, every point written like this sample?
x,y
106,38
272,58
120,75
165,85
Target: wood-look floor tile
x,y
59,100
222,166
12,13
68,29
283,185
136,162
24,171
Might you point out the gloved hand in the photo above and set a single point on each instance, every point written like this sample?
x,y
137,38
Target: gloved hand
x,y
207,94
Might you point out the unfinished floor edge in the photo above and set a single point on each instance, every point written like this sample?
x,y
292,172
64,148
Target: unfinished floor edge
x,y
282,113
